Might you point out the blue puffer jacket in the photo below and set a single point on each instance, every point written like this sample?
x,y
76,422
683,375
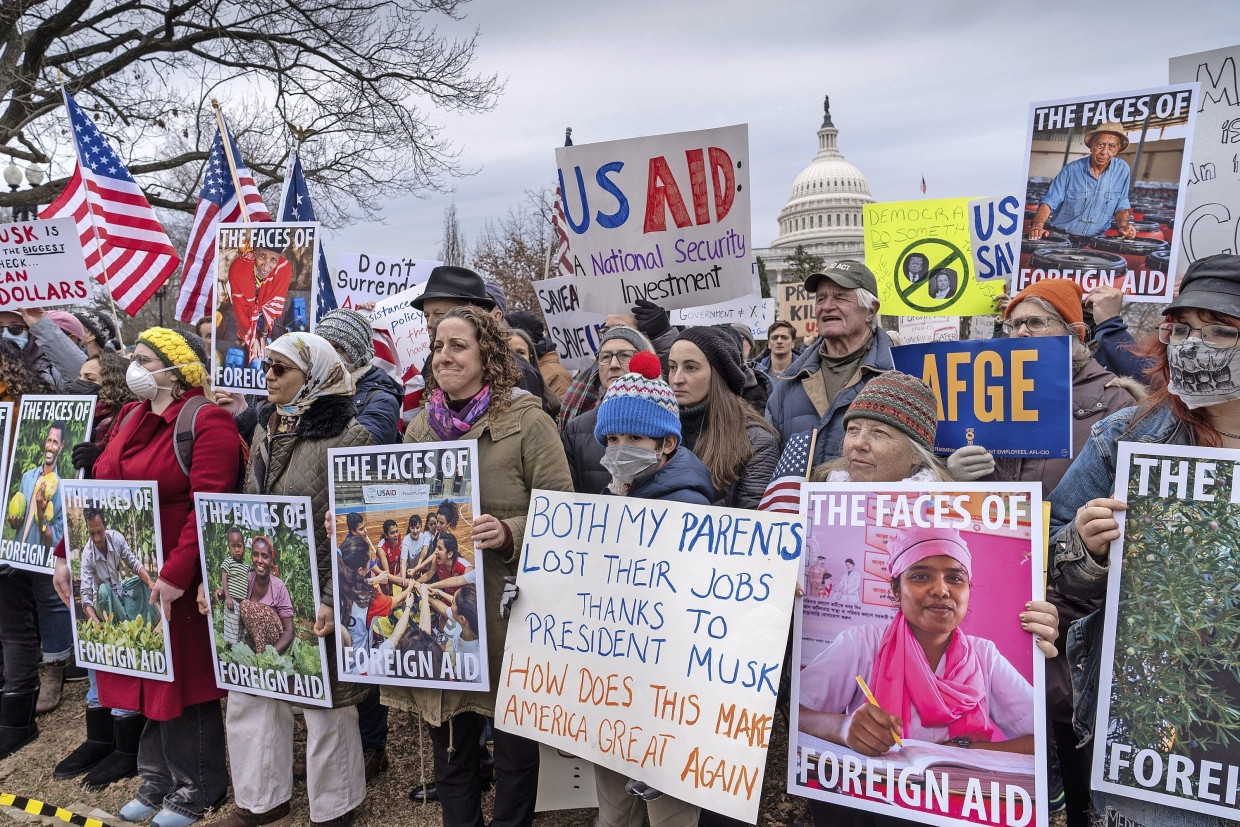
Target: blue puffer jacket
x,y
378,400
684,479
798,399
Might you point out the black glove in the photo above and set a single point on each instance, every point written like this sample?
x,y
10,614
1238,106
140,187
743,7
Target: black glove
x,y
642,790
652,320
84,456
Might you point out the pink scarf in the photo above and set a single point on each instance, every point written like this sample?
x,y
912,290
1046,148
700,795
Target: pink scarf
x,y
447,423
903,679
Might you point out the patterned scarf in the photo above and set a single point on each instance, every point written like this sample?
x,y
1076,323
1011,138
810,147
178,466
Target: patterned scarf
x,y
447,423
582,396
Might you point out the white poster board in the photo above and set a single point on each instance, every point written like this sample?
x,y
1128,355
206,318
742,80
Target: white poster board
x,y
42,265
362,280
662,217
574,332
649,638
406,325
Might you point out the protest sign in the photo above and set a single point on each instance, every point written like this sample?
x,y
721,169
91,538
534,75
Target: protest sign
x,y
922,258
916,330
114,550
1168,725
648,638
994,235
1077,196
970,558
406,325
1011,396
362,280
261,581
1209,221
42,264
407,578
264,288
796,307
574,332
6,431
47,429
752,311
663,218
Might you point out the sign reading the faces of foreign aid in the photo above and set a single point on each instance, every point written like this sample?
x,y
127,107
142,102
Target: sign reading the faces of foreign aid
x,y
662,218
1168,724
1105,183
909,652
1013,397
648,638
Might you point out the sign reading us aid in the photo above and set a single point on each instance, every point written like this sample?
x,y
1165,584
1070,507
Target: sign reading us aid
x,y
1011,396
664,218
649,639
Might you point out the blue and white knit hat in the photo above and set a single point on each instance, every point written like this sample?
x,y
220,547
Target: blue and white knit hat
x,y
639,403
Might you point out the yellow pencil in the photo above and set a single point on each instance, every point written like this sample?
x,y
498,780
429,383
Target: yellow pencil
x,y
869,696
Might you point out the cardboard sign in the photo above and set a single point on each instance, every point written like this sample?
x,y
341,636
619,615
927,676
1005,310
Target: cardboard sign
x,y
261,581
406,325
114,549
853,629
362,280
1209,221
1011,396
796,306
42,265
1167,716
1079,207
917,330
414,595
574,331
265,287
649,638
47,429
994,235
922,257
663,218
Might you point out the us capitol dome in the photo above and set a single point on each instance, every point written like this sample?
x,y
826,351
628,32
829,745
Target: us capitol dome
x,y
823,213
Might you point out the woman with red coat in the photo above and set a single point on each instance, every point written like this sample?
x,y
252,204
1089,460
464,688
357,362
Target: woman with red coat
x,y
181,752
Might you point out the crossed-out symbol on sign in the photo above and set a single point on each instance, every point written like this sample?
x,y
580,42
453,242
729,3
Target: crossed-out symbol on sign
x,y
941,254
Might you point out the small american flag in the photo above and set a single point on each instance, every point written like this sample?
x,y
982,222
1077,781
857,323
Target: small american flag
x,y
122,240
784,491
295,206
563,264
217,203
923,185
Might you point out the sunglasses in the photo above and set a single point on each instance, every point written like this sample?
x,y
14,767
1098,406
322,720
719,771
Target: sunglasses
x,y
276,369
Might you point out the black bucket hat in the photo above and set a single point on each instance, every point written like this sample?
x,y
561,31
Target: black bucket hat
x,y
1211,283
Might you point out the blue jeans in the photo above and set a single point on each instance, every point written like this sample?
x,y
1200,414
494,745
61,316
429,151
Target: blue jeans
x,y
92,697
181,762
55,624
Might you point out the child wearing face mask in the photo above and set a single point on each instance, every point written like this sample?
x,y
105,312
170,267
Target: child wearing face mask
x,y
639,425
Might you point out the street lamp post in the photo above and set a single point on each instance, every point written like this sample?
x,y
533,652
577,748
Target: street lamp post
x,y
13,177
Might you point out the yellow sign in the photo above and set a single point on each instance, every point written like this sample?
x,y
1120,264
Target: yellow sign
x,y
921,255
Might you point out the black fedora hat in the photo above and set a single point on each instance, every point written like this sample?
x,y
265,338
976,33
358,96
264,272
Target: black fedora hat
x,y
457,283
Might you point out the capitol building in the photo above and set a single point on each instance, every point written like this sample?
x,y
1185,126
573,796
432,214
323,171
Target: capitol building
x,y
823,213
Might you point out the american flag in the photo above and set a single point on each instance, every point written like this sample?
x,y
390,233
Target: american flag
x,y
295,206
563,264
923,185
122,240
408,377
217,203
784,491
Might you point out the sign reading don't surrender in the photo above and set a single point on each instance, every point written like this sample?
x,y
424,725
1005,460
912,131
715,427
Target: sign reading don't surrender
x,y
648,638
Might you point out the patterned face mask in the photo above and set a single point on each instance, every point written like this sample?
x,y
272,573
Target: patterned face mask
x,y
1202,375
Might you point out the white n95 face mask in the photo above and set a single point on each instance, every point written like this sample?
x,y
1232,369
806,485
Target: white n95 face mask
x,y
142,381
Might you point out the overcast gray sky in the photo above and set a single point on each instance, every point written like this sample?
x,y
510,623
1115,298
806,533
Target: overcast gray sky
x,y
940,89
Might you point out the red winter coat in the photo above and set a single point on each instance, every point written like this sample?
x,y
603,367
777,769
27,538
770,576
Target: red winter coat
x,y
141,449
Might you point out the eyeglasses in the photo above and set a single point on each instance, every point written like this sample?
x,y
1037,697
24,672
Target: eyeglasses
x,y
276,369
1211,335
620,356
142,361
1036,324
17,328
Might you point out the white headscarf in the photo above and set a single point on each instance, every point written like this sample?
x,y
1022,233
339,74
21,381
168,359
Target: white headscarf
x,y
325,372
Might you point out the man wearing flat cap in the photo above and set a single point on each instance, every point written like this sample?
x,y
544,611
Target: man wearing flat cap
x,y
1089,193
448,287
816,389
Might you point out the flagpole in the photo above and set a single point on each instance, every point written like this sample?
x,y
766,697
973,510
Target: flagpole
x,y
103,263
225,141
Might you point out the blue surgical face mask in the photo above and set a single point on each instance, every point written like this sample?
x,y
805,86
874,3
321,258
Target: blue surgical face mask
x,y
20,339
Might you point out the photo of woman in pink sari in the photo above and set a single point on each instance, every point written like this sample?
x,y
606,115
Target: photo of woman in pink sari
x,y
931,681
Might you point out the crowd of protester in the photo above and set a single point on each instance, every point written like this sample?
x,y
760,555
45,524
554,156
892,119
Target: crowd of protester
x,y
693,415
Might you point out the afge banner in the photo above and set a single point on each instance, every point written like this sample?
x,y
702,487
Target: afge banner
x,y
663,218
648,637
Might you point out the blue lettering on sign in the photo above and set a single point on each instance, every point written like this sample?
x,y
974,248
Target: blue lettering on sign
x,y
621,214
998,259
727,535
